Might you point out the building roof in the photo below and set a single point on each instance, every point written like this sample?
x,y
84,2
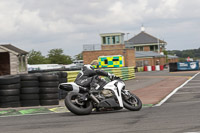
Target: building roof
x,y
14,49
141,54
112,34
144,38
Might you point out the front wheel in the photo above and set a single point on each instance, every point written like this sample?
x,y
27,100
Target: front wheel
x,y
131,101
76,105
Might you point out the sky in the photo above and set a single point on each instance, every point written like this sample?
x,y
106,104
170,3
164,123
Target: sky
x,y
43,25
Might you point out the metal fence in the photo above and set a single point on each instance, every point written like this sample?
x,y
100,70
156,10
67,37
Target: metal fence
x,y
91,47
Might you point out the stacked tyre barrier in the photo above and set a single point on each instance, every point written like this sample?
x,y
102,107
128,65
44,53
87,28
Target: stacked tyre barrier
x,y
29,90
9,91
49,89
62,79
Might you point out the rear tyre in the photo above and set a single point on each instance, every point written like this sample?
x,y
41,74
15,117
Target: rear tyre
x,y
73,103
132,102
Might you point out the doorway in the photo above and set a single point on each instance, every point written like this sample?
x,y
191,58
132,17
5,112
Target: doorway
x,y
4,63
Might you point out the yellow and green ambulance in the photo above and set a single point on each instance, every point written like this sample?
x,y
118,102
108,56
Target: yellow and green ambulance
x,y
111,61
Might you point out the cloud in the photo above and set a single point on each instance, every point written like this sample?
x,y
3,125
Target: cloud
x,y
68,24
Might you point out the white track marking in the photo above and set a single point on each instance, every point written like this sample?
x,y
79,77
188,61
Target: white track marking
x,y
174,91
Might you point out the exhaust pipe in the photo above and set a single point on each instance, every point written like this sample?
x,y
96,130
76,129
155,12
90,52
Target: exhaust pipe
x,y
94,98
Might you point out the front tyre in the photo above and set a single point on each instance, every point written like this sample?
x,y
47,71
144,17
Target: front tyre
x,y
131,101
77,106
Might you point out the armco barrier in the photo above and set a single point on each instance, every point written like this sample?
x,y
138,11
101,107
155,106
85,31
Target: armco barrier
x,y
72,75
145,68
157,68
161,67
125,73
140,69
149,68
153,68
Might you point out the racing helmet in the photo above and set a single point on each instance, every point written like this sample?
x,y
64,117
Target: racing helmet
x,y
87,67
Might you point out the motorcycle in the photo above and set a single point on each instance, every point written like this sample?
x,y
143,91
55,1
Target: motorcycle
x,y
81,101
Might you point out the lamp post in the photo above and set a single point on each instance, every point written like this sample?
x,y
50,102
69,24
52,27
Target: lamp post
x,y
127,35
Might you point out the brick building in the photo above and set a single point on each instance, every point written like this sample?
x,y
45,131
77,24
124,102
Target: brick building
x,y
149,58
172,58
149,49
146,42
141,50
112,44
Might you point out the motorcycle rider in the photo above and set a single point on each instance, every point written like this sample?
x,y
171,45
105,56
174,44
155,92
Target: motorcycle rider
x,y
88,77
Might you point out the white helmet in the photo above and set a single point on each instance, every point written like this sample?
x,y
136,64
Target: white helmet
x,y
87,67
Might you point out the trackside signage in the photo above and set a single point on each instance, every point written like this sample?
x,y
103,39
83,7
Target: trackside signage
x,y
188,65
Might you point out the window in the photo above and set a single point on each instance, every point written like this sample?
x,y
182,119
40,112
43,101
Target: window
x,y
154,48
108,40
115,60
139,63
104,40
113,40
139,48
151,48
105,61
117,39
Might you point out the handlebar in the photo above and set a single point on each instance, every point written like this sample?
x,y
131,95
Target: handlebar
x,y
116,78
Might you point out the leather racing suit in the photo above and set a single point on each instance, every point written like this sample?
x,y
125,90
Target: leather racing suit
x,y
88,77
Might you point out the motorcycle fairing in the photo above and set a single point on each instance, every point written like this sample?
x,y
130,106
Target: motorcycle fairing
x,y
71,86
116,87
108,103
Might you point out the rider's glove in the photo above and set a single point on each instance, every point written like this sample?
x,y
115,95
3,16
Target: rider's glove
x,y
111,76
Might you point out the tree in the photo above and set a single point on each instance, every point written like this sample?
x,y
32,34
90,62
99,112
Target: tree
x,y
79,56
56,56
35,57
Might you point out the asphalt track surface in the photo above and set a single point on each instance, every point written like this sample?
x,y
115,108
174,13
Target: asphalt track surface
x,y
179,114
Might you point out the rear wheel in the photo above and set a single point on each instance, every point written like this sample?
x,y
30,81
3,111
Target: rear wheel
x,y
76,105
131,101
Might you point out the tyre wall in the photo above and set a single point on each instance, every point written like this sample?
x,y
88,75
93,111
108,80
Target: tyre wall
x,y
10,91
49,89
31,89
